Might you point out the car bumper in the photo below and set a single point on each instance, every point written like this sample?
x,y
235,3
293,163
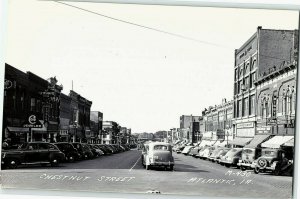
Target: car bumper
x,y
162,163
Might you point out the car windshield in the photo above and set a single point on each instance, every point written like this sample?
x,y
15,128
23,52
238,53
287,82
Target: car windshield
x,y
160,147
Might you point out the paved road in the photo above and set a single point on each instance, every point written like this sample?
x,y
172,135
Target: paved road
x,y
124,172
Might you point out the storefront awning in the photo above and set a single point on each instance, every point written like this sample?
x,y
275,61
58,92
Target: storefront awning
x,y
17,129
257,140
240,141
276,141
289,143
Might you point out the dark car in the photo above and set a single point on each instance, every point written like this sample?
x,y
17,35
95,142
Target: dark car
x,y
68,149
105,149
83,150
32,153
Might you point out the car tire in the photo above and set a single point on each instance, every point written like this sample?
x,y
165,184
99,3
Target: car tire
x,y
71,158
227,165
243,168
13,163
256,170
171,167
55,163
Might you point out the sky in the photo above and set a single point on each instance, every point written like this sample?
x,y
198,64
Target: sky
x,y
139,77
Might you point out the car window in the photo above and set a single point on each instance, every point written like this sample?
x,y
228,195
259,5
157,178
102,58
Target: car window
x,y
269,153
43,146
249,151
32,146
160,147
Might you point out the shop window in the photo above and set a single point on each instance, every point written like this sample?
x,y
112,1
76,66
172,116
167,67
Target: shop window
x,y
251,105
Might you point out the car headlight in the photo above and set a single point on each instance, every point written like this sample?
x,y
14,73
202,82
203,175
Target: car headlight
x,y
240,161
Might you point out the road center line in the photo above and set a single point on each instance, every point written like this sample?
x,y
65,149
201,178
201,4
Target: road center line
x,y
135,163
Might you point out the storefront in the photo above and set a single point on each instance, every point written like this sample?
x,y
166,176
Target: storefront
x,y
245,129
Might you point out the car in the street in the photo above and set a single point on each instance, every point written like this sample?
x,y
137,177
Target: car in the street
x,y
221,154
248,156
32,153
95,150
214,153
186,150
83,149
203,150
68,149
194,151
232,157
105,149
158,154
273,160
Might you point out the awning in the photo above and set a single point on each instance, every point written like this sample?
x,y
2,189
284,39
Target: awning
x,y
240,141
276,141
258,139
222,144
17,129
289,143
204,143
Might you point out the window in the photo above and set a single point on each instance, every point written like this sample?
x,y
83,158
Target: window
x,y
32,104
245,107
246,82
160,147
252,79
236,75
240,108
252,104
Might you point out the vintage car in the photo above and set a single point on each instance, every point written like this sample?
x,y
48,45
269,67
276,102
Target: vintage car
x,y
83,149
186,150
68,149
274,160
232,157
194,151
202,151
248,156
157,154
32,153
214,153
221,154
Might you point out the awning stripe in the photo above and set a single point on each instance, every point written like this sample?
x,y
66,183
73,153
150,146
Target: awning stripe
x,y
240,141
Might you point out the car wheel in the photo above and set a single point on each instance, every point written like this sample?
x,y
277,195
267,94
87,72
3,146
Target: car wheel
x,y
256,170
55,163
227,165
171,167
13,163
71,158
243,168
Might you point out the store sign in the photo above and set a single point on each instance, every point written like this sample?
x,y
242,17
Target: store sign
x,y
32,122
7,84
245,125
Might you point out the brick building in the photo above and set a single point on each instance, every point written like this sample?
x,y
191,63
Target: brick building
x,y
190,127
96,122
264,52
26,97
65,117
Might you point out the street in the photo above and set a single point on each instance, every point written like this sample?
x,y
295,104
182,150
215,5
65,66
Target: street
x,y
190,176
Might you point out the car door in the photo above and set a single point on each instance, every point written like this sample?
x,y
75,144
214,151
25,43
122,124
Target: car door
x,y
44,152
31,153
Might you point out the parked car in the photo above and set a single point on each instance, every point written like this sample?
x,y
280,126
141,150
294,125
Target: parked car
x,y
232,157
68,149
105,149
95,150
220,154
214,153
32,153
248,156
157,154
99,151
202,151
274,160
186,150
83,149
194,151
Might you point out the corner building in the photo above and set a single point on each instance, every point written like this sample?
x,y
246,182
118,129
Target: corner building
x,y
264,52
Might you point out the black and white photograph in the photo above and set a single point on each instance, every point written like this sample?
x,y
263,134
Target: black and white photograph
x,y
149,99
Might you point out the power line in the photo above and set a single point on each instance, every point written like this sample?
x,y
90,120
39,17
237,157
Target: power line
x,y
142,26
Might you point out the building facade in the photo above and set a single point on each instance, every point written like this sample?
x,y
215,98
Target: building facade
x,y
31,107
80,124
190,127
111,132
96,123
266,51
65,117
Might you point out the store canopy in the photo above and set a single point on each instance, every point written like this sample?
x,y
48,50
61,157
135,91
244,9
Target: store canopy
x,y
240,141
257,140
17,129
276,141
289,143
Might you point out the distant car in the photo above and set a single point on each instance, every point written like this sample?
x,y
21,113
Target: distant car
x,y
232,157
158,154
194,151
214,153
32,153
68,149
186,150
220,154
202,151
105,149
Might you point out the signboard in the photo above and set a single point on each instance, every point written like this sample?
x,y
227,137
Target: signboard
x,y
32,122
245,125
7,84
272,121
